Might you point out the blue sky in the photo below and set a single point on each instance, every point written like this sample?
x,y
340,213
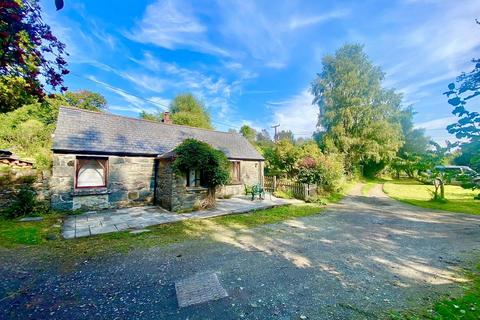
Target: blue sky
x,y
252,62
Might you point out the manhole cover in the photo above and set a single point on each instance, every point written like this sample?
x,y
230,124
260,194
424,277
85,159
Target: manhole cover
x,y
199,289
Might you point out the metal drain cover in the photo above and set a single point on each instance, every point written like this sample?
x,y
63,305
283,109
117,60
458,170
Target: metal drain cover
x,y
199,288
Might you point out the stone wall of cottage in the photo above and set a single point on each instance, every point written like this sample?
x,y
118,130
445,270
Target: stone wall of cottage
x,y
130,182
13,179
172,193
251,173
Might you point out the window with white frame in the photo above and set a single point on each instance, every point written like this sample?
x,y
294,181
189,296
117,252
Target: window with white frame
x,y
91,172
194,178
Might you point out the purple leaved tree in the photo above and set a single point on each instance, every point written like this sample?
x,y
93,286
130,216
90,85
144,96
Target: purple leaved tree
x,y
28,49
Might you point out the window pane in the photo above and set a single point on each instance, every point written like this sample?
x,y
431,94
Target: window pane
x,y
197,178
91,173
191,178
194,178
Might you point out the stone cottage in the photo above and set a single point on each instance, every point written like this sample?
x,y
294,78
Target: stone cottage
x,y
102,160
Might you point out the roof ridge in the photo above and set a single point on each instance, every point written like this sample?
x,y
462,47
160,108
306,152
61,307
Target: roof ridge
x,y
144,120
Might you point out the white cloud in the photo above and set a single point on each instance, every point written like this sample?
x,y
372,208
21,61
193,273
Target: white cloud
x,y
172,24
259,92
240,30
430,51
436,124
161,102
296,113
215,92
131,108
139,79
131,99
276,64
254,30
152,83
300,22
133,103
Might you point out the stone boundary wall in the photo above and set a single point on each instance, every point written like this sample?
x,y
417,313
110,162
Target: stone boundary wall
x,y
13,179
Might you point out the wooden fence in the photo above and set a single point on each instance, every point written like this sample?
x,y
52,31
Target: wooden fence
x,y
297,189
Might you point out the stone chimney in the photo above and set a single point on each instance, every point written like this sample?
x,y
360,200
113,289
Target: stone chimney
x,y
166,118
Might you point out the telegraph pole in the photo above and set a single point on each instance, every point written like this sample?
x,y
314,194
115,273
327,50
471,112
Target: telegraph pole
x,y
275,135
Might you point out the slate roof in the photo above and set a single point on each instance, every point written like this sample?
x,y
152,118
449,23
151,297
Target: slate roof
x,y
82,131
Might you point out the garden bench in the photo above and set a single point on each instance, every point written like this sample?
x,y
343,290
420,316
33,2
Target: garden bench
x,y
257,190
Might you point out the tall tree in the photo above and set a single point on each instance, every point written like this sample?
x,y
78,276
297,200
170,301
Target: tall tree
x,y
152,116
28,49
467,127
84,99
416,142
286,135
357,114
264,136
248,132
14,93
187,110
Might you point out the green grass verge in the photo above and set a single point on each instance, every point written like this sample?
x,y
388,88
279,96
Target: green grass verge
x,y
367,187
34,234
465,307
14,233
370,183
415,193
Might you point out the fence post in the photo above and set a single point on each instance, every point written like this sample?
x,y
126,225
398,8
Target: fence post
x,y
306,190
274,183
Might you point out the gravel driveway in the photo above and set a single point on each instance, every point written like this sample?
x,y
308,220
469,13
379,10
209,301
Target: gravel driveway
x,y
358,259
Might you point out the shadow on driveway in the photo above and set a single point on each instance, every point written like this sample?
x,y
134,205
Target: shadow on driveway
x,y
357,259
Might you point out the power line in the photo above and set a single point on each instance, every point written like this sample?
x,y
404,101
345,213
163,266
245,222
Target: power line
x,y
165,107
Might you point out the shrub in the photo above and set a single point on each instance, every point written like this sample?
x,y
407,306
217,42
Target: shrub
x,y
308,171
331,170
284,194
24,203
196,155
27,132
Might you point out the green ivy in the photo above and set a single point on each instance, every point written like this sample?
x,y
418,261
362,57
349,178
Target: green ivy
x,y
197,155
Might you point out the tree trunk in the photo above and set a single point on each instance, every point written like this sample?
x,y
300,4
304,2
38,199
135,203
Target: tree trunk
x,y
442,190
439,184
211,193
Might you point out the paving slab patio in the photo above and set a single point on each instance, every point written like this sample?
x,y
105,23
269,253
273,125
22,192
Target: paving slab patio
x,y
106,221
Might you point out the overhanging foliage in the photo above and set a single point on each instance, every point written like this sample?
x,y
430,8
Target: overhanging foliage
x,y
197,155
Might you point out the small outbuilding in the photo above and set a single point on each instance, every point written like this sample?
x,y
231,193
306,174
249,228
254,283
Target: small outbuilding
x,y
8,158
101,160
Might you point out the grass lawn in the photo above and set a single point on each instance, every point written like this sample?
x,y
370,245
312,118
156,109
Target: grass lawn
x,y
14,233
413,192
